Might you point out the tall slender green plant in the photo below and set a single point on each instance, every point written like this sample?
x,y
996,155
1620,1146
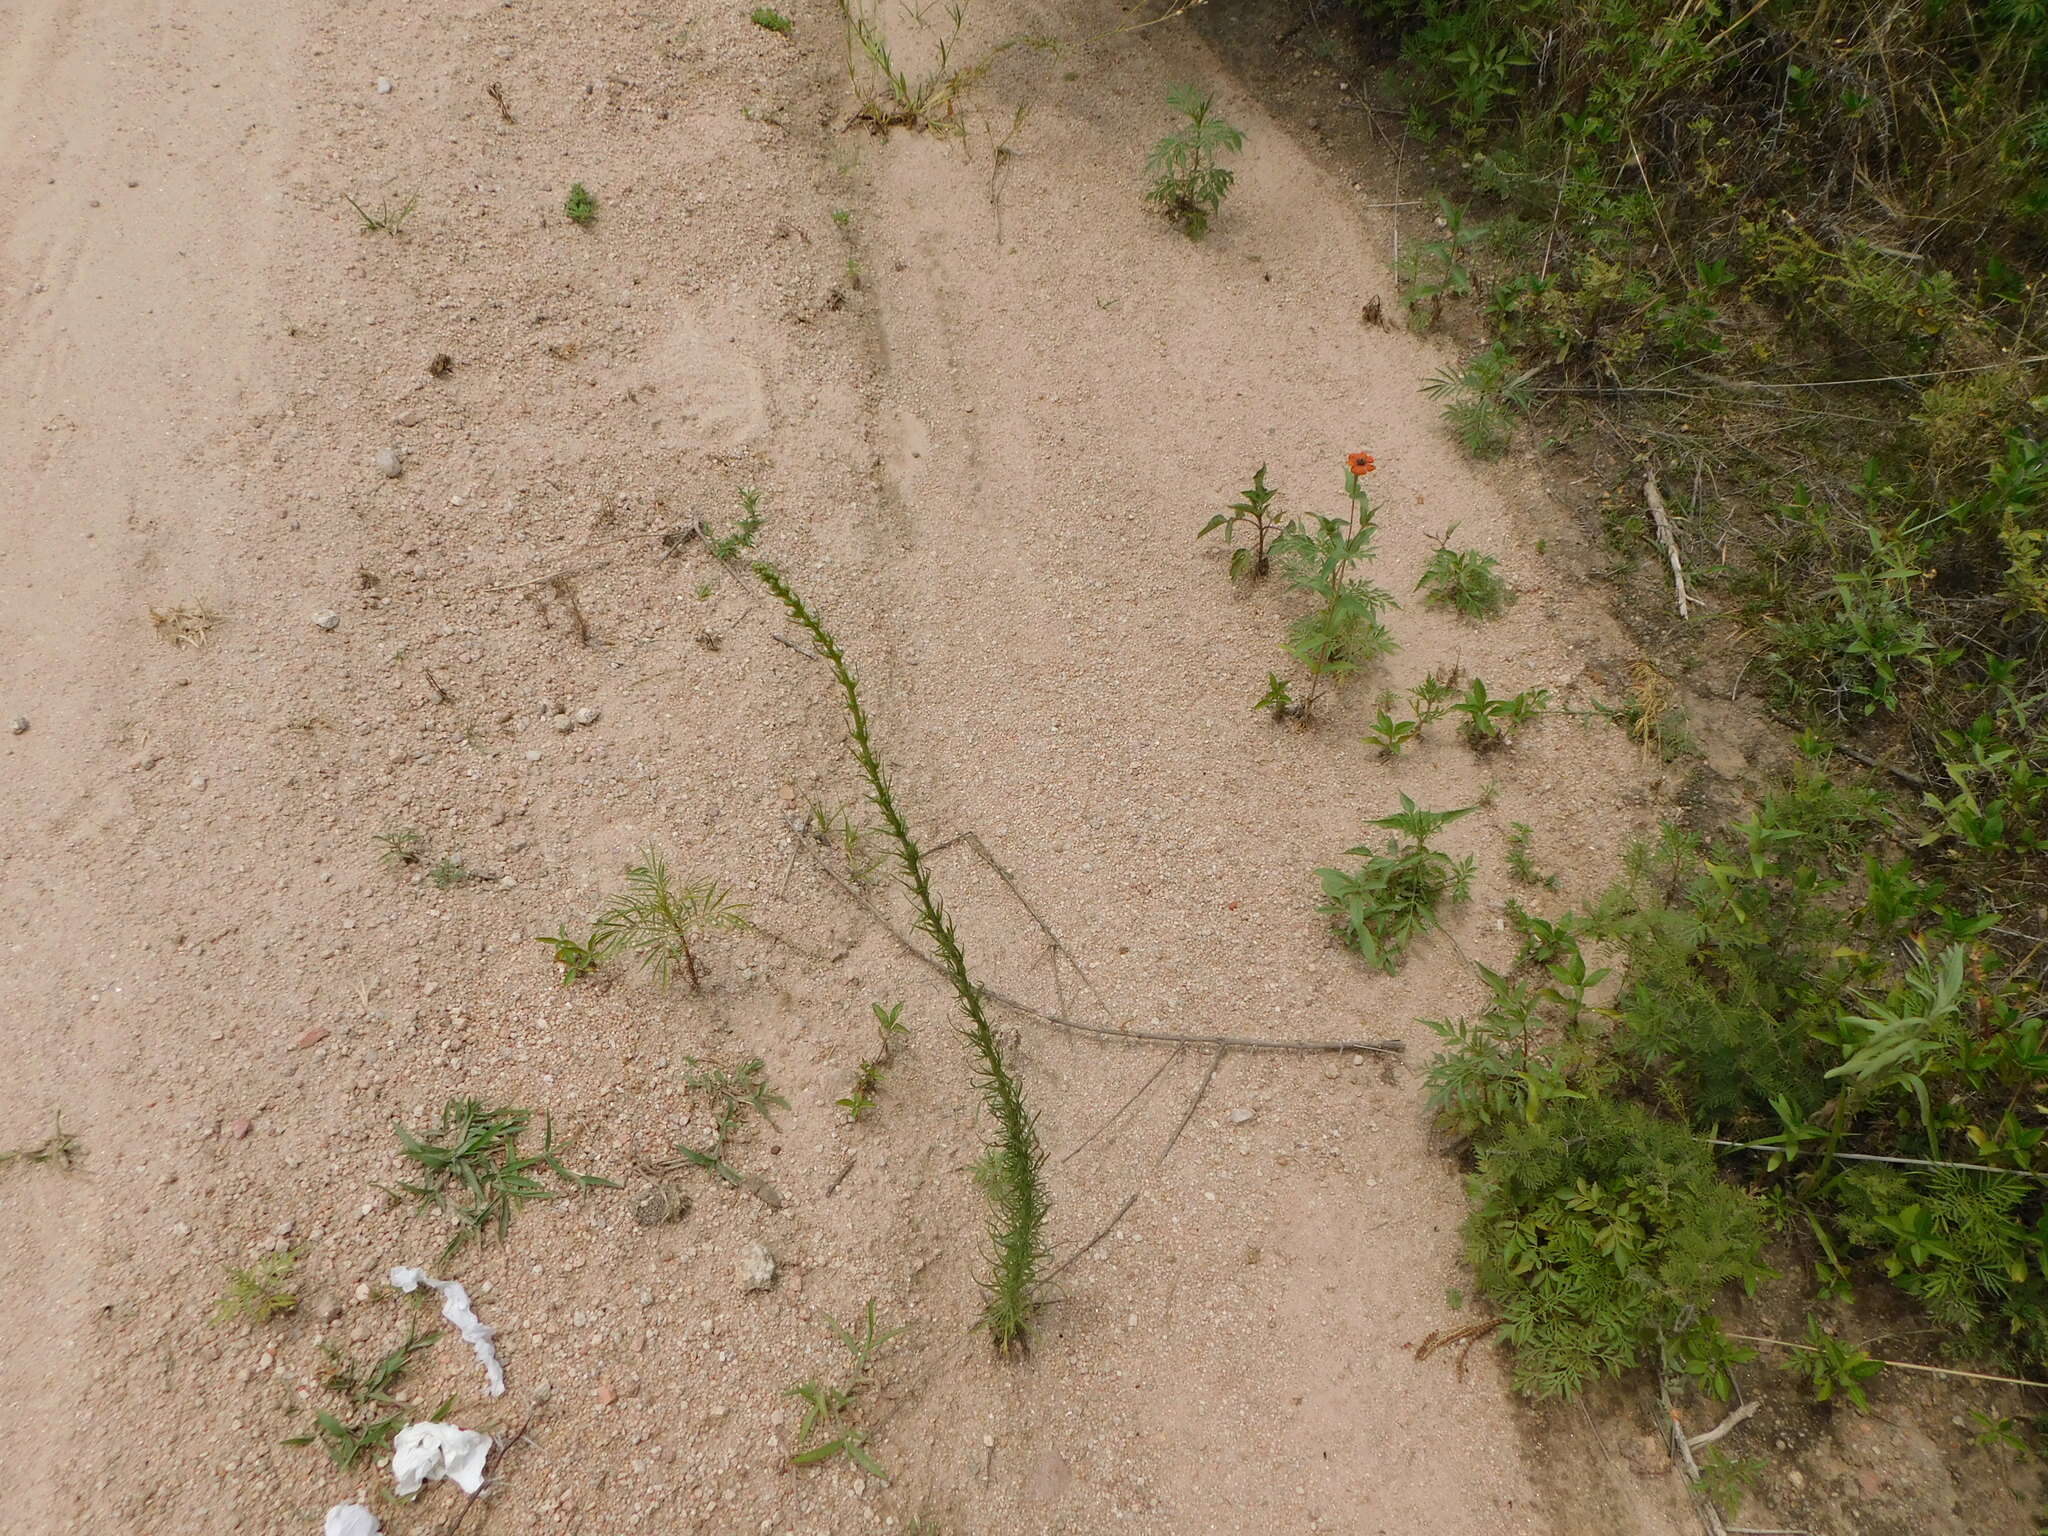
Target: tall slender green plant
x,y
1015,1160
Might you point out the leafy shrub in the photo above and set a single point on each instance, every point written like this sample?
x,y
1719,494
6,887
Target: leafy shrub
x,y
1188,186
1392,899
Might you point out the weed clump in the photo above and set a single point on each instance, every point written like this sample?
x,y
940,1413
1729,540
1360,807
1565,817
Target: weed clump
x,y
1464,580
1015,1188
1392,899
1188,186
474,1173
260,1291
580,206
659,922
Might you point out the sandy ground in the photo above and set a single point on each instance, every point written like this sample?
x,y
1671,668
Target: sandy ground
x,y
986,411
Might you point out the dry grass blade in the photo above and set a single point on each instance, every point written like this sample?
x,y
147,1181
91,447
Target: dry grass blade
x,y
186,624
59,1148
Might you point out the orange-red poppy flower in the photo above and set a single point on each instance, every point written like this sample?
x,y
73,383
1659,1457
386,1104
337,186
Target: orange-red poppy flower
x,y
1361,463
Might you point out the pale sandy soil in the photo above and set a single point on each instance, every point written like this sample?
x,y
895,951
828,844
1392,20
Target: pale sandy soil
x,y
984,464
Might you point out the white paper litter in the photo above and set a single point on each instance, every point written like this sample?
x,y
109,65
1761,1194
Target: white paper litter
x,y
351,1520
427,1451
456,1309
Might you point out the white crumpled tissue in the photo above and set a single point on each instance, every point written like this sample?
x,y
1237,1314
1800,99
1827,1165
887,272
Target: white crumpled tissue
x,y
427,1451
456,1309
351,1520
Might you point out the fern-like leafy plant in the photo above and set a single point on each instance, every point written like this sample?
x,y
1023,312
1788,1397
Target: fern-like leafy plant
x,y
1188,186
660,922
1344,631
1016,1159
1464,580
1392,899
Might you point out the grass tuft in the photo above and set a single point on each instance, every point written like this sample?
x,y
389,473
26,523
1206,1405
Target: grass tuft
x,y
476,1174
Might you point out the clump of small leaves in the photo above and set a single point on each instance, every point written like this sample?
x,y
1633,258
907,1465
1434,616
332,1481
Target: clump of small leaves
x,y
737,1092
1278,699
261,1291
867,1078
725,546
1253,511
825,1430
1487,723
449,872
59,1148
1464,580
576,959
1831,1367
367,1387
1392,899
580,206
1521,865
771,20
403,847
1188,186
475,1173
660,922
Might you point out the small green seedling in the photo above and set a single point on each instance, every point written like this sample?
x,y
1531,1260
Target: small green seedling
x,y
842,217
1487,721
577,960
580,206
1431,698
450,872
1254,508
1830,1367
825,1430
1188,186
1278,699
771,20
1464,580
739,1091
261,1291
726,546
868,1076
388,218
476,1174
660,922
59,1148
1382,907
403,847
1391,735
839,830
1521,867
371,1387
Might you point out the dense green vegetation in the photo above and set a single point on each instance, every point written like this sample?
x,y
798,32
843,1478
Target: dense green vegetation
x,y
1787,259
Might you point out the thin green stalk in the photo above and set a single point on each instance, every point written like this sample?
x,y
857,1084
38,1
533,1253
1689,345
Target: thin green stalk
x,y
1016,1197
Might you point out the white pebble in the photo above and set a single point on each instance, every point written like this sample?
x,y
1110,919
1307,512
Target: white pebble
x,y
585,716
327,618
383,86
18,725
390,463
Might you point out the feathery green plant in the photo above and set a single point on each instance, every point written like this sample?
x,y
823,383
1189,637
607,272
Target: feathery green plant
x,y
475,1172
725,546
1016,1193
1344,631
658,921
1188,185
580,206
261,1291
1465,580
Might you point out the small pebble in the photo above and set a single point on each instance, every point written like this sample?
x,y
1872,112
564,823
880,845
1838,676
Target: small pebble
x,y
563,724
240,1129
390,463
607,1394
18,725
585,716
311,1038
757,1268
1240,1116
327,618
383,86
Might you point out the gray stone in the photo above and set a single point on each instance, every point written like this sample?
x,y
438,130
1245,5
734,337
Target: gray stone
x,y
757,1268
327,618
389,462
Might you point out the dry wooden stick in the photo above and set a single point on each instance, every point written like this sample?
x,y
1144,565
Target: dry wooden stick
x,y
1902,1365
1131,1199
1098,1031
1724,1428
1666,537
1122,1109
1683,1447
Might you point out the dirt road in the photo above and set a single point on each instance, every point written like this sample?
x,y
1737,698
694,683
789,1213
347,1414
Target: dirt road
x,y
986,399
